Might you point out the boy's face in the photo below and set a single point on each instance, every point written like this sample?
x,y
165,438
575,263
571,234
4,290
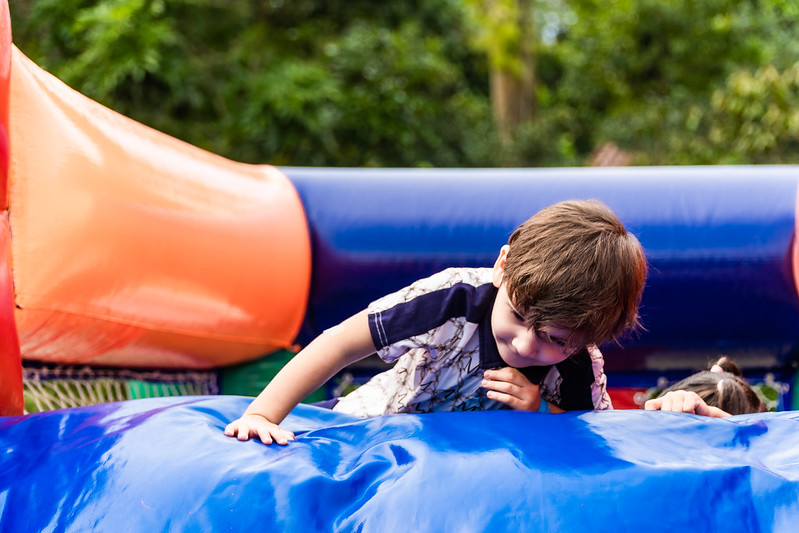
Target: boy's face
x,y
519,346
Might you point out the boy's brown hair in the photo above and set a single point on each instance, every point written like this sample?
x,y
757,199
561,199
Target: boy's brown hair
x,y
574,266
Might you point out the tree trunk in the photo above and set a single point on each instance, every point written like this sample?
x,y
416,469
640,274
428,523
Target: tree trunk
x,y
513,89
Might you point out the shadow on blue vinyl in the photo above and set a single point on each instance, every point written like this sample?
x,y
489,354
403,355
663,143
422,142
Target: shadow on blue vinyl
x,y
165,465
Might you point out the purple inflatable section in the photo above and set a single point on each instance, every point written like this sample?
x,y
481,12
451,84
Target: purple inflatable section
x,y
719,242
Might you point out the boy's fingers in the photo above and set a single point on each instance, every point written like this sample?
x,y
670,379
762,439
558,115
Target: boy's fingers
x,y
507,380
506,374
280,436
269,433
499,386
233,429
255,427
507,399
516,398
510,387
499,373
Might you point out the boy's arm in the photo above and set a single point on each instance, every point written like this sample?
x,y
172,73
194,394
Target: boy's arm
x,y
509,386
334,349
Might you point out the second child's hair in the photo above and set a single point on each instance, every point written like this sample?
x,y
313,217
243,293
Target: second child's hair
x,y
723,388
573,265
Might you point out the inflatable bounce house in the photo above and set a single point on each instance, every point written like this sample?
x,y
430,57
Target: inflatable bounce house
x,y
123,248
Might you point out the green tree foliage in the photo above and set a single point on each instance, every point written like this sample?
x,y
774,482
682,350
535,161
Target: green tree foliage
x,y
657,77
297,82
360,83
753,118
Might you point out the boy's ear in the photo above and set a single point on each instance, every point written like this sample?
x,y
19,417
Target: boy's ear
x,y
499,265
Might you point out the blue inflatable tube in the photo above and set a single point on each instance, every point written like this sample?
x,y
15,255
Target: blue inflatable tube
x,y
718,240
164,465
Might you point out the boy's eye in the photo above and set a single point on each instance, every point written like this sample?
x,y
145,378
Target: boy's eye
x,y
560,343
547,338
517,316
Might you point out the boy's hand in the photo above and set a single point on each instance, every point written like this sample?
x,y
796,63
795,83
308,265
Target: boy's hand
x,y
253,425
509,386
680,401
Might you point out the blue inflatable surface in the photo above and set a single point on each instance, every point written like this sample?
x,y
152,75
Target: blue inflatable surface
x,y
164,465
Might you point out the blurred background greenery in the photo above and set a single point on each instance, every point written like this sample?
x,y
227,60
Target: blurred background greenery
x,y
444,83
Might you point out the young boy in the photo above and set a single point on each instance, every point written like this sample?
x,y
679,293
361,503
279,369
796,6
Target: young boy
x,y
522,334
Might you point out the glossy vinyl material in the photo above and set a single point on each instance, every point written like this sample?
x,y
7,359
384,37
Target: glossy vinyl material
x,y
719,241
164,465
131,248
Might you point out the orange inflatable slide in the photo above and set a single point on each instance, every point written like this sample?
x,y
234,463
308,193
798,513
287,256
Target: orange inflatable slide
x,y
123,246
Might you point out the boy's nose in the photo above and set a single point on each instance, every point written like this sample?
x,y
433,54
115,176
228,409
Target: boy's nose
x,y
525,345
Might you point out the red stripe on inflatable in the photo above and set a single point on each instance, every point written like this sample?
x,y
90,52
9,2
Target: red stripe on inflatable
x,y
11,402
5,79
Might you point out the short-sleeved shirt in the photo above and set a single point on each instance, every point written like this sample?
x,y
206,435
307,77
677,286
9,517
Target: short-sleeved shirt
x,y
437,332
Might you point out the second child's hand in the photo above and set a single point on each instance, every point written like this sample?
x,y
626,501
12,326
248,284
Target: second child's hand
x,y
680,401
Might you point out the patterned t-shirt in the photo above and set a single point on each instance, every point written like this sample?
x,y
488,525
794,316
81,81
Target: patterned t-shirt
x,y
437,332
